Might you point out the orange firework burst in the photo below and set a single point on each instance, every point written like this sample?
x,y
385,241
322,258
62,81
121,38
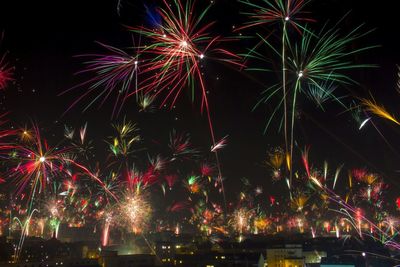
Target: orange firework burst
x,y
378,110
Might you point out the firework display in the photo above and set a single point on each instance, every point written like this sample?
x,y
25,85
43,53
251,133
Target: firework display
x,y
130,179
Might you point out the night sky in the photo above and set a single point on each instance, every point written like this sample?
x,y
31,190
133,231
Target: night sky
x,y
43,39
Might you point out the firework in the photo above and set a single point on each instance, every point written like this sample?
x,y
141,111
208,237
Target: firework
x,y
277,11
6,72
286,14
322,62
193,184
206,170
126,138
313,65
138,180
398,202
180,146
114,71
179,206
275,160
127,191
81,144
24,233
374,108
37,163
146,103
220,144
171,180
322,93
299,201
364,122
337,175
111,184
304,157
179,46
106,230
241,219
136,210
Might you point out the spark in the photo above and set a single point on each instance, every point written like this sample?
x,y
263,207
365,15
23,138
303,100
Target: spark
x,y
220,144
363,123
378,110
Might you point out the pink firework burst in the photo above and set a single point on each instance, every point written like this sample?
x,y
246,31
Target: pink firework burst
x,y
178,48
6,72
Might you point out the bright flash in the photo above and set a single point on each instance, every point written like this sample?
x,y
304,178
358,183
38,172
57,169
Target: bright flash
x,y
42,159
201,56
184,44
300,74
287,18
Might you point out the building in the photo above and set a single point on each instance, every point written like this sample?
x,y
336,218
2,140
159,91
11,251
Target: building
x,y
288,255
313,256
112,259
77,234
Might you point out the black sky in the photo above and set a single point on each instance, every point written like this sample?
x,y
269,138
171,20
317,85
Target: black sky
x,y
43,37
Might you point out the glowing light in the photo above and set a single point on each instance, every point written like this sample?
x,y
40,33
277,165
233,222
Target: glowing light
x,y
301,74
287,18
378,110
137,212
201,56
42,159
364,122
184,44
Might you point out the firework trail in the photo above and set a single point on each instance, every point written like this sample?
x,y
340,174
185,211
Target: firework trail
x,y
378,110
313,65
355,214
6,72
114,73
36,165
24,233
173,58
179,46
285,13
220,144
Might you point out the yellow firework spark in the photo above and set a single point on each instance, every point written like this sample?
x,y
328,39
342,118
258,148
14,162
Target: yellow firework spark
x,y
378,110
